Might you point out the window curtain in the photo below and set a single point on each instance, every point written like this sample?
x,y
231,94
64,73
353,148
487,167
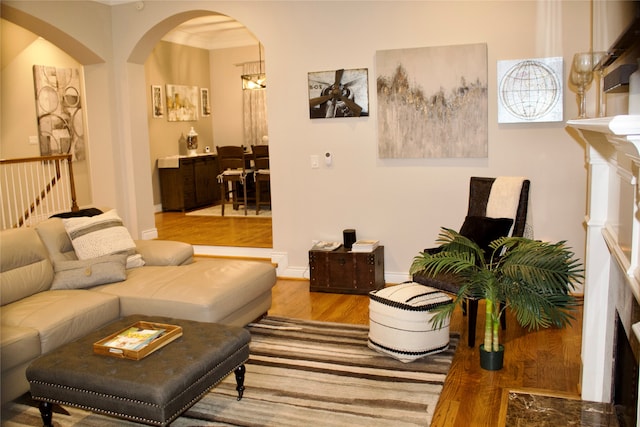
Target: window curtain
x,y
254,108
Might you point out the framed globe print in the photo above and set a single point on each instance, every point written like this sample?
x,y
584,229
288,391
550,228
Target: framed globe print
x,y
530,90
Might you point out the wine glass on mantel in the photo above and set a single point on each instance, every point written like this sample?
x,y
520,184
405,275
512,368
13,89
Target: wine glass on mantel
x,y
598,69
581,76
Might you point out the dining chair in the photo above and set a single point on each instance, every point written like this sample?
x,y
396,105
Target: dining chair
x,y
233,174
262,174
489,216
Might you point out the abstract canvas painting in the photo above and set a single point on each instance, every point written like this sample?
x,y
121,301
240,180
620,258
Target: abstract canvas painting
x,y
432,102
59,111
182,103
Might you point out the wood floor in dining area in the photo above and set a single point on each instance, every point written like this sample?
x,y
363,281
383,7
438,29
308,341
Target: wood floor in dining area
x,y
547,360
214,231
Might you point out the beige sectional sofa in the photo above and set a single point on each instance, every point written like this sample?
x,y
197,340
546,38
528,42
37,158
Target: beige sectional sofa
x,y
36,319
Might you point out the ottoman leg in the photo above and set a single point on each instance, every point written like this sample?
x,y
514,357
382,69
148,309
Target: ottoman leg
x,y
46,412
240,370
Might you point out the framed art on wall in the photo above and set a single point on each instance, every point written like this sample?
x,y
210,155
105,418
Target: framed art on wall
x,y
182,103
157,101
205,106
339,93
59,111
530,90
432,102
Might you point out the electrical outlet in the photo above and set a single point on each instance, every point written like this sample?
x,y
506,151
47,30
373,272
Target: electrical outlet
x,y
33,140
315,161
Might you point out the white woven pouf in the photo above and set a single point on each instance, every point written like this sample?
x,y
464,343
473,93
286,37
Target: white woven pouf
x,y
400,321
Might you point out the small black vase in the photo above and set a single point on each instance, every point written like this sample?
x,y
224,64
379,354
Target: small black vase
x,y
491,360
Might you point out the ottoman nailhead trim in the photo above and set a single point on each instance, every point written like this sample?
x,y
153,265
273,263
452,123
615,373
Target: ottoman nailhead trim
x,y
133,417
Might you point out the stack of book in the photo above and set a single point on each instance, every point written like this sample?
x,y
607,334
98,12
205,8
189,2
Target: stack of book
x,y
365,245
326,246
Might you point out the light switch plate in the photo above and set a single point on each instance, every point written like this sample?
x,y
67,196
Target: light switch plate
x,y
315,161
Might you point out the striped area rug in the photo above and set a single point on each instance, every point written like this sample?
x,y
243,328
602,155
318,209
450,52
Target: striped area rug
x,y
305,373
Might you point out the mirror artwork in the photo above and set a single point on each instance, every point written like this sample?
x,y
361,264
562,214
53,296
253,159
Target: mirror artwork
x,y
339,93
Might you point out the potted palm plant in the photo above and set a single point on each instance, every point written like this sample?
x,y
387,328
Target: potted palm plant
x,y
532,278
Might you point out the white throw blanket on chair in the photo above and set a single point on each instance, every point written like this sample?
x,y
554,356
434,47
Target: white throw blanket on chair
x,y
503,201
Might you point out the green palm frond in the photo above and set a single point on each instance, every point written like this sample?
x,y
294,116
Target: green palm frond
x,y
532,278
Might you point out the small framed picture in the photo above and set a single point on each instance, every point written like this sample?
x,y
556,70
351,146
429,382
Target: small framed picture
x,y
157,101
339,93
205,105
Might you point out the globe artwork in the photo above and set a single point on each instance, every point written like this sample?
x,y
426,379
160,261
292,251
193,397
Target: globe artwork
x,y
530,90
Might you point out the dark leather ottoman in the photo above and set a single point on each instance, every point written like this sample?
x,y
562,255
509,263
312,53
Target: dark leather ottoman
x,y
154,390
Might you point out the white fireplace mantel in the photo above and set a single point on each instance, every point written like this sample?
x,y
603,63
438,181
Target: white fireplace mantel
x,y
612,275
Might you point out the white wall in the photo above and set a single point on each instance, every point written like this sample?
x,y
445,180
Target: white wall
x,y
401,202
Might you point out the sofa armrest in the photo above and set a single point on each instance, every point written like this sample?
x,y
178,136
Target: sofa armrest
x,y
164,252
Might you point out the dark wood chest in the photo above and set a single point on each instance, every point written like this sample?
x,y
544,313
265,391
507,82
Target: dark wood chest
x,y
342,271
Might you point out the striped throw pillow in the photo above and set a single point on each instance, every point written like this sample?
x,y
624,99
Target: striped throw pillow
x,y
99,235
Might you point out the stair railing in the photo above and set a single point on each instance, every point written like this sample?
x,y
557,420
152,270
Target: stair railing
x,y
34,188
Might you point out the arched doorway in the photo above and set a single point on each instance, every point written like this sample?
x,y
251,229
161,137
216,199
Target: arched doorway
x,y
119,175
227,49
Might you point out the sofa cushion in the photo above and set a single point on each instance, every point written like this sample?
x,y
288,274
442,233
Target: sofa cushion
x,y
81,274
18,345
103,234
207,290
56,239
25,268
165,252
61,316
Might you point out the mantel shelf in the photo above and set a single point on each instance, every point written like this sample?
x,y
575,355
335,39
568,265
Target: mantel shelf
x,y
617,129
616,125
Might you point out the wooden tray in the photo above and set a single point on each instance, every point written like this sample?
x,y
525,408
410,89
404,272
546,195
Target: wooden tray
x,y
171,333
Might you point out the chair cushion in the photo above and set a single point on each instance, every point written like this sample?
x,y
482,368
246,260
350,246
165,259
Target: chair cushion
x,y
484,230
400,321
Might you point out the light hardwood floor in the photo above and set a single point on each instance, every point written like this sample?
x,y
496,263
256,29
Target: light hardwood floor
x,y
543,360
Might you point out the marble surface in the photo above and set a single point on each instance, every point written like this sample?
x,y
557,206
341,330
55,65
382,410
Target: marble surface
x,y
537,410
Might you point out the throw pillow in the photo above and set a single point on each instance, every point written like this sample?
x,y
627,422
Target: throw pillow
x,y
82,274
81,212
135,261
484,230
99,235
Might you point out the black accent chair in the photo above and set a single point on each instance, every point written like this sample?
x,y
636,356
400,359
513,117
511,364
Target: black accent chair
x,y
479,191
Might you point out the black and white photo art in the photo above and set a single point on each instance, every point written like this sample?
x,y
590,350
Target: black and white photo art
x,y
338,93
59,111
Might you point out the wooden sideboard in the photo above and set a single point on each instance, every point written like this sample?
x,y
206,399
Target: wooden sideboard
x,y
188,182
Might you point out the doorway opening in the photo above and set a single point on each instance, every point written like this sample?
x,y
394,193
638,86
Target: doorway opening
x,y
226,49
